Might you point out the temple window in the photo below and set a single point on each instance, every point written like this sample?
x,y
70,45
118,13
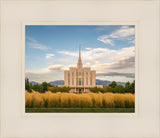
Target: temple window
x,y
87,81
72,81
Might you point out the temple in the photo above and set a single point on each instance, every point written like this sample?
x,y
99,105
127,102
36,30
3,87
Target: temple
x,y
80,79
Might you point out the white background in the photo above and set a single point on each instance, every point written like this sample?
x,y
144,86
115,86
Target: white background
x,y
144,13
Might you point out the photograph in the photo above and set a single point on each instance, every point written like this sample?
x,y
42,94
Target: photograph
x,y
80,69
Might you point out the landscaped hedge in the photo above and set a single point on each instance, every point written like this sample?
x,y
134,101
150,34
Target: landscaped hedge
x,y
87,100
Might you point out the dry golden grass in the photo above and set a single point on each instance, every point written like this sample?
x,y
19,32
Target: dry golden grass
x,y
75,100
28,99
64,100
129,100
71,100
108,100
37,100
86,101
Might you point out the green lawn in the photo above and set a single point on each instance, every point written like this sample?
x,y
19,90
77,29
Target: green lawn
x,y
80,110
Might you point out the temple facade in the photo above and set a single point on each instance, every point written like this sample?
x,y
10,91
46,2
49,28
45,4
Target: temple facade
x,y
80,79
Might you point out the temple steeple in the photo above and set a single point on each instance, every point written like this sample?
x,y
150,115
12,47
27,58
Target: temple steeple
x,y
80,79
79,64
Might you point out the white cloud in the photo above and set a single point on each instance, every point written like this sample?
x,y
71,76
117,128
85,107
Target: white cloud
x,y
51,73
124,65
48,56
35,44
48,69
31,39
88,48
103,55
105,39
68,53
38,46
56,67
45,76
105,61
127,75
42,71
124,33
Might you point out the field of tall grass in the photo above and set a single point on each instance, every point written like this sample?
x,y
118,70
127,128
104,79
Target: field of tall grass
x,y
86,100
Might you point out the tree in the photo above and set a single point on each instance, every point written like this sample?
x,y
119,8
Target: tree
x,y
64,89
113,84
44,87
109,89
129,87
95,89
133,87
27,85
119,89
127,83
38,88
48,84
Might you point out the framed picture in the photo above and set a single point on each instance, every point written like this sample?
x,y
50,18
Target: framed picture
x,y
97,76
80,68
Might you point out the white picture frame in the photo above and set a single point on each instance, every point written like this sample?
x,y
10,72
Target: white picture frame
x,y
16,123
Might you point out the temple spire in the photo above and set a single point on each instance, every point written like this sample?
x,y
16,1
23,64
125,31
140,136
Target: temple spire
x,y
79,51
79,64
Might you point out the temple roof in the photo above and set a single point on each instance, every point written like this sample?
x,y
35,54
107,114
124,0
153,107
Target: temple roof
x,y
79,64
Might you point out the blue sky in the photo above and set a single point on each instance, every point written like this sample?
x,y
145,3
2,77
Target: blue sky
x,y
52,49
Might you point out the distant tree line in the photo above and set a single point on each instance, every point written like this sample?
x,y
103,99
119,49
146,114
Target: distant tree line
x,y
42,88
115,88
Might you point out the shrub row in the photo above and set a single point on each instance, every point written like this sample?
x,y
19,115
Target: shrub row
x,y
71,100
